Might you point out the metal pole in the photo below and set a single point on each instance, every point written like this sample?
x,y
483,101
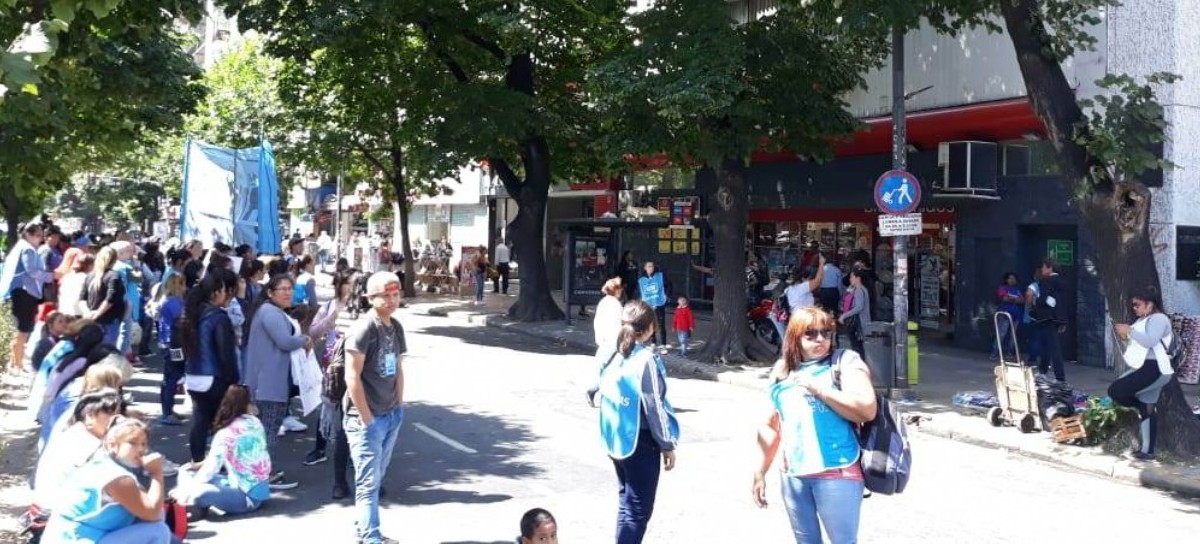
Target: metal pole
x,y
337,217
900,243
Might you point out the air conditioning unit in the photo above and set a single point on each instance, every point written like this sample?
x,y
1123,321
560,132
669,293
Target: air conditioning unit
x,y
967,166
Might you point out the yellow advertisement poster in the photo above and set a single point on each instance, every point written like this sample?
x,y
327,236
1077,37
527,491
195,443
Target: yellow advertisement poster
x,y
681,234
695,248
681,248
664,233
664,246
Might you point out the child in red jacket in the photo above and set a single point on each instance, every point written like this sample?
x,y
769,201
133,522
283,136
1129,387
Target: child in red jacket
x,y
684,323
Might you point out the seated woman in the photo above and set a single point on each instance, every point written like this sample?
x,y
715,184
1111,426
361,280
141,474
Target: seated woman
x,y
66,388
239,449
71,447
80,338
103,503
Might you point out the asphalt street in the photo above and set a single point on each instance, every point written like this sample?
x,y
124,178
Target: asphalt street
x,y
496,423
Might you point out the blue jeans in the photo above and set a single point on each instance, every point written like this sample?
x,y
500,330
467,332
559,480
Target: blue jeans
x,y
141,532
125,334
172,373
112,332
479,277
1005,337
217,492
814,502
638,475
371,452
683,336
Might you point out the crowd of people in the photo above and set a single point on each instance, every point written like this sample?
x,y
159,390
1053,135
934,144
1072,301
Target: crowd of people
x,y
235,330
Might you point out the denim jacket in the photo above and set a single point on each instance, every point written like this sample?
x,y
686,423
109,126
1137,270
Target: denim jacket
x,y
218,348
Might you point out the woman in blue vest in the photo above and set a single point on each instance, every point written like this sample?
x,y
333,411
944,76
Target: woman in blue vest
x,y
814,421
637,422
103,503
655,290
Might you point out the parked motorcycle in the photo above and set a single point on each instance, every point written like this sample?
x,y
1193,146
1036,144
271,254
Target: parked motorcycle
x,y
761,326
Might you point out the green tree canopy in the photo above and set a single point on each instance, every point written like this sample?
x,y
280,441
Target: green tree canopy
x,y
710,92
112,80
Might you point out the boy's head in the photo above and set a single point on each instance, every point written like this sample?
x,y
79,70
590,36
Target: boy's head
x,y
539,527
683,302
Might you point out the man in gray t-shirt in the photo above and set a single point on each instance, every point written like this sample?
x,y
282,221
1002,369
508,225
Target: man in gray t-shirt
x,y
375,394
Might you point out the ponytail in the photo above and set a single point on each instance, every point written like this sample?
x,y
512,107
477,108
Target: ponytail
x,y
636,320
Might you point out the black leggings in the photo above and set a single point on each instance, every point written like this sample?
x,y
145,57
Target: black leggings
x,y
204,411
661,313
1139,390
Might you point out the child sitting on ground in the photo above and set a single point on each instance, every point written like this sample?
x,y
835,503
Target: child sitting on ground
x,y
538,527
684,323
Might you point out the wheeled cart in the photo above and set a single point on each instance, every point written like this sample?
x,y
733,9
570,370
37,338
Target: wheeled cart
x,y
1015,387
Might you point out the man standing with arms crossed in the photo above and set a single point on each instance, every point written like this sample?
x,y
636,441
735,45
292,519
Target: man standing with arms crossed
x,y
375,393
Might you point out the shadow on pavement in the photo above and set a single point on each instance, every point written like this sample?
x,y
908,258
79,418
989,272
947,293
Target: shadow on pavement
x,y
424,463
498,338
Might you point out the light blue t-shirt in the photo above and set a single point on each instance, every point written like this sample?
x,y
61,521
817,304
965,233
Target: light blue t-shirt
x,y
81,511
814,438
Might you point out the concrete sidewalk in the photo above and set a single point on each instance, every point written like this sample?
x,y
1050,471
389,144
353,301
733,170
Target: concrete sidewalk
x,y
944,371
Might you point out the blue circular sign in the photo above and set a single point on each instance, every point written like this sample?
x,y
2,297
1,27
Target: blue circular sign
x,y
897,192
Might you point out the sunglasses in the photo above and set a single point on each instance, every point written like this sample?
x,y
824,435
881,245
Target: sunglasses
x,y
814,334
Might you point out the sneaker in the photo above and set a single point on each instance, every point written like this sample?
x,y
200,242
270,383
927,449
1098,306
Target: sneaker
x,y
1140,456
282,430
340,492
278,476
283,484
170,420
294,425
315,457
169,468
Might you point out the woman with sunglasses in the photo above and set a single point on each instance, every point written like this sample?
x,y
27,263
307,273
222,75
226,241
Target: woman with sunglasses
x,y
1149,365
637,422
819,396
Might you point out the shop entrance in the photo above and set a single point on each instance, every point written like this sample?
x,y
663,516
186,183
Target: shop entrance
x,y
783,239
1060,242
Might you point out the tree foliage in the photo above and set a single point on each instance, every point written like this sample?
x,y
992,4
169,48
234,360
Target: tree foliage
x,y
488,79
115,77
708,91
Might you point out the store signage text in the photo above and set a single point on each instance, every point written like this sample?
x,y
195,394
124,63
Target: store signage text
x,y
900,225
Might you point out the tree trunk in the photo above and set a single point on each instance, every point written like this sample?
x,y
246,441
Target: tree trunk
x,y
535,301
1115,212
12,214
400,188
730,340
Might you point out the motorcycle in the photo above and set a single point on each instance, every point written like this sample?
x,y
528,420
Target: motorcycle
x,y
761,326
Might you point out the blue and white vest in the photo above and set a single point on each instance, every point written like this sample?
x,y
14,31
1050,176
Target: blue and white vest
x,y
814,437
652,290
621,405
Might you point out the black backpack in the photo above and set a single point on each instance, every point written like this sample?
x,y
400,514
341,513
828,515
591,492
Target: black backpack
x,y
333,386
885,455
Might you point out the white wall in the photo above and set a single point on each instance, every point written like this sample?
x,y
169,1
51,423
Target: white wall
x,y
1164,35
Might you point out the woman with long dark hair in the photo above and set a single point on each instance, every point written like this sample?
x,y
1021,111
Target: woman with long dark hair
x,y
234,476
637,422
273,338
325,334
210,351
813,421
1149,365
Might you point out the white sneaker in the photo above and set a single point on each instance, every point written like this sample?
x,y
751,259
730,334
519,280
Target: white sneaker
x,y
294,425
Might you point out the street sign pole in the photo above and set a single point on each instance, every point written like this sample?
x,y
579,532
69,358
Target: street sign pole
x,y
900,243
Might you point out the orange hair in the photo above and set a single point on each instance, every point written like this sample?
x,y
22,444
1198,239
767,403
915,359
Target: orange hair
x,y
612,287
802,320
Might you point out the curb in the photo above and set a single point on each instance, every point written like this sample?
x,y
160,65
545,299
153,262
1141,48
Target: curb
x,y
1102,465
